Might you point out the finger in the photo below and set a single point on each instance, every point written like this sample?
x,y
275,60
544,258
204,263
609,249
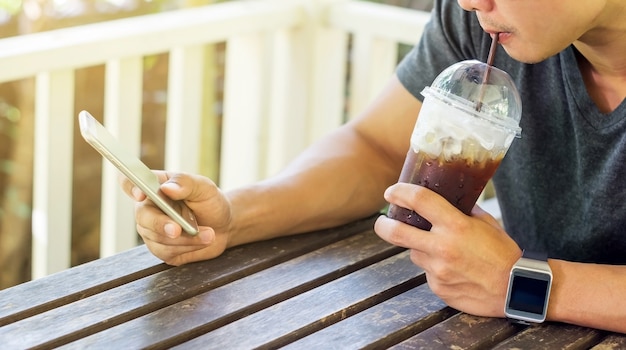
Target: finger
x,y
202,196
480,213
423,201
155,222
183,249
420,259
176,255
404,235
171,235
192,188
130,189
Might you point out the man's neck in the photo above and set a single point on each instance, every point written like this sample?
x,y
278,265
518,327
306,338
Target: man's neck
x,y
602,59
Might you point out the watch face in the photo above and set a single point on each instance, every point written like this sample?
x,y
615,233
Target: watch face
x,y
528,295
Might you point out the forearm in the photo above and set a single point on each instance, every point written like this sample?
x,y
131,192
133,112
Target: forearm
x,y
338,179
324,187
590,295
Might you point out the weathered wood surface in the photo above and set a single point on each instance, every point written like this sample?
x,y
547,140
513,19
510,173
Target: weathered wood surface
x,y
342,288
382,325
554,336
315,309
219,309
90,298
611,342
71,285
462,331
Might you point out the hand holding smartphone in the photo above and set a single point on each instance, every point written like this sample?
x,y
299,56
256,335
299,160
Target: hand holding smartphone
x,y
136,171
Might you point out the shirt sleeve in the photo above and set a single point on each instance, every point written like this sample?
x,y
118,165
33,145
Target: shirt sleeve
x,y
451,35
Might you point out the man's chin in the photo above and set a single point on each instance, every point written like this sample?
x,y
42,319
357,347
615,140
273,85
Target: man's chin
x,y
527,56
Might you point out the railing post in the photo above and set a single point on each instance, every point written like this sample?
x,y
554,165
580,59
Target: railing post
x,y
377,30
122,117
308,84
184,108
289,86
288,100
373,63
52,198
245,88
327,71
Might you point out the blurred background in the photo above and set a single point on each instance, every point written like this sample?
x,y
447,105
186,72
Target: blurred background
x,y
20,17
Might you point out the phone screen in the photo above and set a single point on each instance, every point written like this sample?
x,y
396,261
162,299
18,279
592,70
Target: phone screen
x,y
135,170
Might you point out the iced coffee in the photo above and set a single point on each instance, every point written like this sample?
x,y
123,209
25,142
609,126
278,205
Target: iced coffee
x,y
463,131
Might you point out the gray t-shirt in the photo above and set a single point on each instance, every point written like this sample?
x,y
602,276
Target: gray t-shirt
x,y
562,186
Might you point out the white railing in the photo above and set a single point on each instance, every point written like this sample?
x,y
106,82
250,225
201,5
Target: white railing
x,y
284,87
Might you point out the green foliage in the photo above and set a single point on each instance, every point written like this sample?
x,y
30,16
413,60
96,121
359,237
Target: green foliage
x,y
9,112
9,116
16,205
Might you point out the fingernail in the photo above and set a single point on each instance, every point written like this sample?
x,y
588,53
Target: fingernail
x,y
170,230
171,184
387,193
205,236
137,194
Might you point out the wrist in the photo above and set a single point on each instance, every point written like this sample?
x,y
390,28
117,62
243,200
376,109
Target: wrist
x,y
256,214
529,287
242,218
559,307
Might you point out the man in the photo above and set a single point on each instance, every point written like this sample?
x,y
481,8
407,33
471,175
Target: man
x,y
560,186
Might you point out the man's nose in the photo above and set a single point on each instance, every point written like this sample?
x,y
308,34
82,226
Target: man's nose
x,y
476,5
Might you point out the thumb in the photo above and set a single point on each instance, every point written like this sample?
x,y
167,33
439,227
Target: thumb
x,y
191,188
173,190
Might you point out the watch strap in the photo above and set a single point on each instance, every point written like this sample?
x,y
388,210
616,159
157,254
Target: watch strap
x,y
528,254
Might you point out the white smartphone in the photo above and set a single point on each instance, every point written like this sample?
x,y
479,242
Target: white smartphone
x,y
137,172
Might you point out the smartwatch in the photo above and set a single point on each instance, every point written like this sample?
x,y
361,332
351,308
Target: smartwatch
x,y
529,289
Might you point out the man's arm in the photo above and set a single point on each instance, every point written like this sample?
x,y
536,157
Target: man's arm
x,y
591,295
338,179
468,259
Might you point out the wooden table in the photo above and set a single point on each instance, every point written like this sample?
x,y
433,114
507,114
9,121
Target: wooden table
x,y
342,288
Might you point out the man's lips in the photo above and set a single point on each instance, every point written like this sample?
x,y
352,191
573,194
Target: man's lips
x,y
502,36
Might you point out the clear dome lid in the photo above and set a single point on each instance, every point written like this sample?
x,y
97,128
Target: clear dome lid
x,y
481,90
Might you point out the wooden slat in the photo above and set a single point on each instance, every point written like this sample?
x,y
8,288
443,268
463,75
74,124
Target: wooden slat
x,y
122,117
373,63
93,44
205,312
52,180
462,332
382,325
612,342
212,119
245,93
139,297
287,132
550,336
184,108
35,297
315,309
326,103
384,21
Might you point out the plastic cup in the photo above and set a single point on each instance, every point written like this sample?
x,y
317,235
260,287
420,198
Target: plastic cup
x,y
467,123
